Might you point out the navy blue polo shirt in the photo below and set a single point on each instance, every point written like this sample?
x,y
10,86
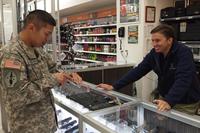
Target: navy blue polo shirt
x,y
177,78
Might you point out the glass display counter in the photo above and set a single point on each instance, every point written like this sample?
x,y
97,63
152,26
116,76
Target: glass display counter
x,y
121,119
141,118
98,111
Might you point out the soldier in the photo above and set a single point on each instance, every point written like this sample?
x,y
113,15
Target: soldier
x,y
28,74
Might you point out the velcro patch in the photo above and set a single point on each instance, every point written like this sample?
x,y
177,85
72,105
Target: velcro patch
x,y
10,63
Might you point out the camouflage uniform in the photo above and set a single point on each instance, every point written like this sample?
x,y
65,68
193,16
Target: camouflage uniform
x,y
27,79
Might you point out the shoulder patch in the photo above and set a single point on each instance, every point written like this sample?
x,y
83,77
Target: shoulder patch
x,y
10,79
11,63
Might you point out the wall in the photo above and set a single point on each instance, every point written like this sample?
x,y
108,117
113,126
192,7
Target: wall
x,y
8,25
7,22
0,34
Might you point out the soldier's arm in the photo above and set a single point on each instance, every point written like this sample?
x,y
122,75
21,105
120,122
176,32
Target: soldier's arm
x,y
19,89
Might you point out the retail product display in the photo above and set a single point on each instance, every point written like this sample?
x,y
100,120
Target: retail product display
x,y
94,101
185,19
167,12
193,8
70,88
63,122
96,40
67,125
181,9
125,120
67,40
91,100
92,57
132,116
163,124
67,34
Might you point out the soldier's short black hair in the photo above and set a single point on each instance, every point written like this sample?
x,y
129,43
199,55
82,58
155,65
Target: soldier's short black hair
x,y
39,18
166,30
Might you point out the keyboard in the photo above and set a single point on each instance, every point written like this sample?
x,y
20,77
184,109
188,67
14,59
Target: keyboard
x,y
93,100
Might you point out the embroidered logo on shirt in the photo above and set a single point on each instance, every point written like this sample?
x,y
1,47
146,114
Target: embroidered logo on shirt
x,y
9,63
172,67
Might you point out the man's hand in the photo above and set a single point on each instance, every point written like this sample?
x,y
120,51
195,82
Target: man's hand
x,y
162,105
105,87
74,77
60,77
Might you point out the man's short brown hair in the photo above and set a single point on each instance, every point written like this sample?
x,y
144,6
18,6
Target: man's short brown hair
x,y
39,18
166,30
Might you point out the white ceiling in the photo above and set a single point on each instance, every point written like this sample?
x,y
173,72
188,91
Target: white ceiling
x,y
88,6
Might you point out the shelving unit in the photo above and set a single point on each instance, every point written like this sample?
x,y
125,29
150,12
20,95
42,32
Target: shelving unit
x,y
87,60
93,34
98,41
67,40
104,53
107,34
180,18
187,31
95,26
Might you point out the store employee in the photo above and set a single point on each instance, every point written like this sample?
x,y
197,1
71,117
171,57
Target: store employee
x,y
178,84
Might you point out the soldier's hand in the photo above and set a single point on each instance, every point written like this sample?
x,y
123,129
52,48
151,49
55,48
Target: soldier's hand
x,y
76,78
105,86
60,77
162,105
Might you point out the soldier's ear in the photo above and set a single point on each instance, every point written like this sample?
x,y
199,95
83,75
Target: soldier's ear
x,y
31,27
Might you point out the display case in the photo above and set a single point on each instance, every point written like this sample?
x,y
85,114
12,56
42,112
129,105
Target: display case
x,y
79,100
112,112
142,118
120,119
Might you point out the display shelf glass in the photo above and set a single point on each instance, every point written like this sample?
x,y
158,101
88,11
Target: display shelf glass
x,y
122,119
132,116
87,60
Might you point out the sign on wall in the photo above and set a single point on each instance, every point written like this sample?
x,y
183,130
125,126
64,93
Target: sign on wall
x,y
133,34
129,11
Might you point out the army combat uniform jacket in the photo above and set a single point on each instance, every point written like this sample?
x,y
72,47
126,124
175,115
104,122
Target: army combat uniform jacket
x,y
26,80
